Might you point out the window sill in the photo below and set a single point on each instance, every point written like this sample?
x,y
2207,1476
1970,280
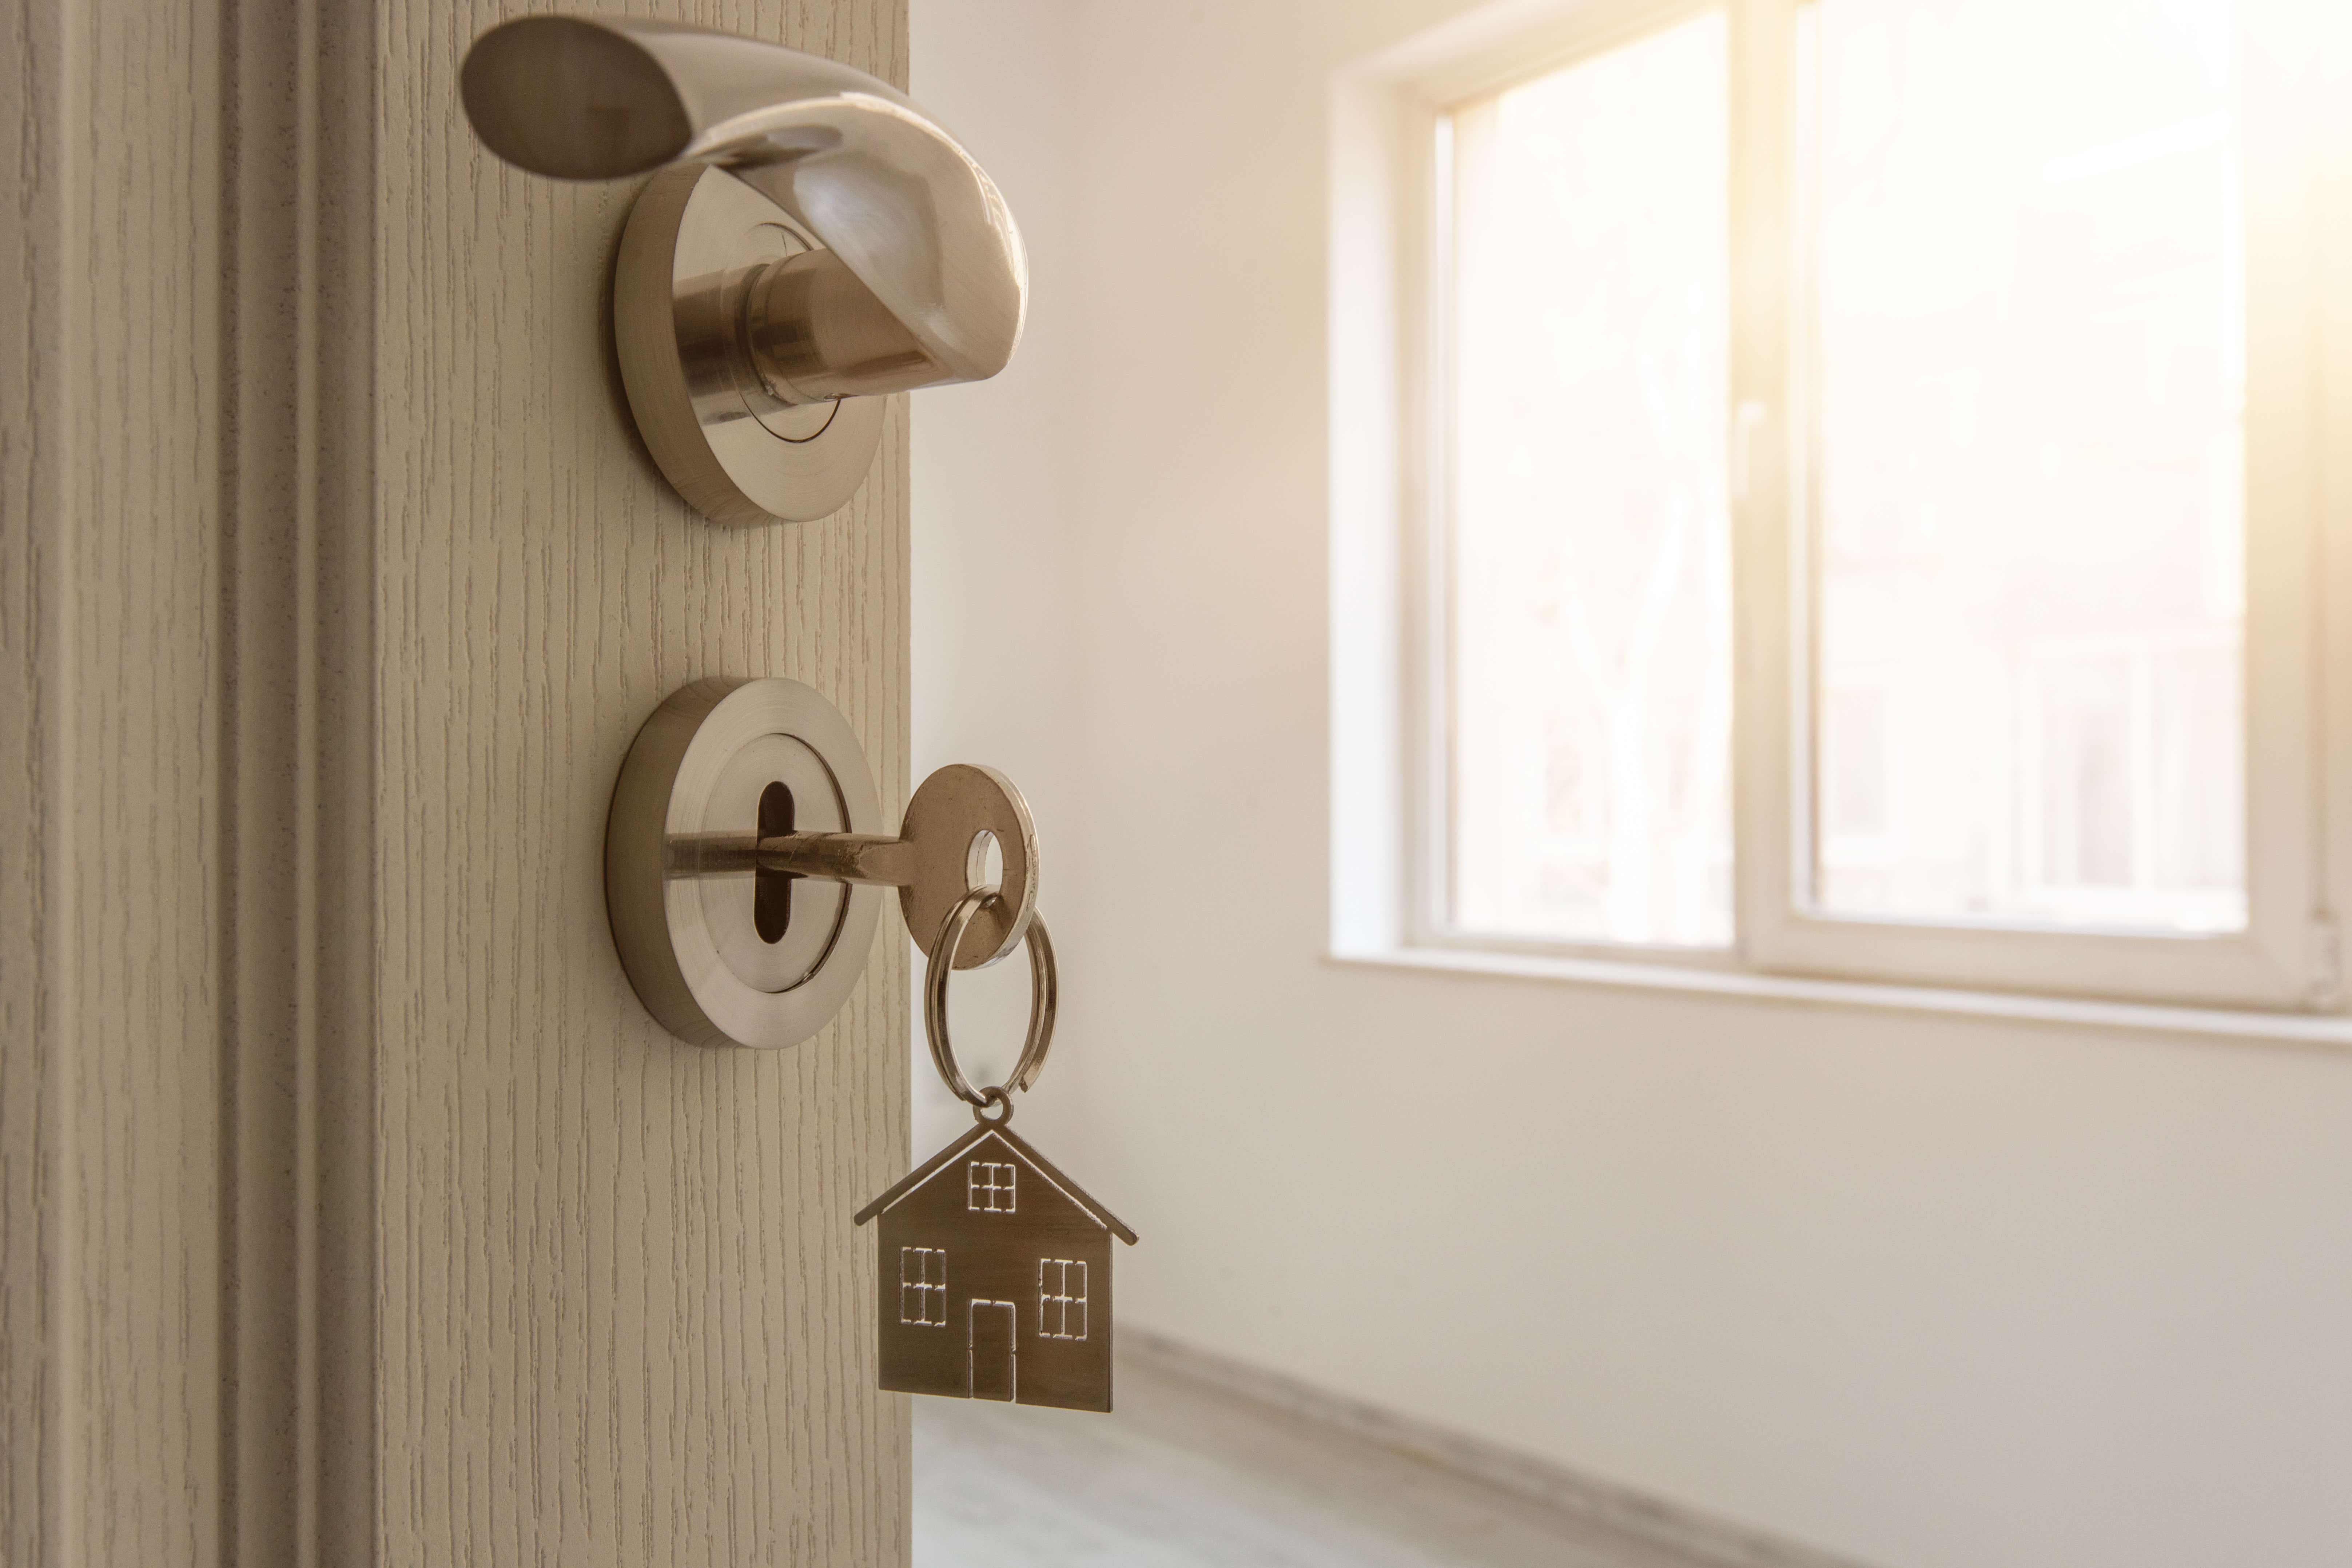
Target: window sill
x,y
2324,1031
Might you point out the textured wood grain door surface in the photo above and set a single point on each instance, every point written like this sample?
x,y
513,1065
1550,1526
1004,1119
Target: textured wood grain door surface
x,y
351,1209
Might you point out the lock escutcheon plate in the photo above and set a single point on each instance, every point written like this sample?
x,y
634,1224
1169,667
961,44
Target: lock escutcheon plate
x,y
690,944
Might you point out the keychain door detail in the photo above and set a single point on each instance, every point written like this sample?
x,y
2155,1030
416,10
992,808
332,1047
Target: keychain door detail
x,y
994,1267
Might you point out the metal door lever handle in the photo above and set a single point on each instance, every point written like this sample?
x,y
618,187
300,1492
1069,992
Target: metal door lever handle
x,y
922,278
810,241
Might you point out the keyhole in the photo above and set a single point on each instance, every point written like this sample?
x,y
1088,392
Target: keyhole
x,y
771,891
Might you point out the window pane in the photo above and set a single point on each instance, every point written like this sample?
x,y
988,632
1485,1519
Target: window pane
x,y
1590,619
2026,366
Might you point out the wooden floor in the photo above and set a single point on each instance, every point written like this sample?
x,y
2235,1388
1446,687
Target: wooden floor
x,y
1185,1476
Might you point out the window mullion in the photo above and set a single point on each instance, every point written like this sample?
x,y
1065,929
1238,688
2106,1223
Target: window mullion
x,y
1768,835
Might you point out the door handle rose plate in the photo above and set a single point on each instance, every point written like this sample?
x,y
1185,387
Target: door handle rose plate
x,y
811,242
697,241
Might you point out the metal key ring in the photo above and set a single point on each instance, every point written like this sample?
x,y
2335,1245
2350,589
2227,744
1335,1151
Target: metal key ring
x,y
1044,997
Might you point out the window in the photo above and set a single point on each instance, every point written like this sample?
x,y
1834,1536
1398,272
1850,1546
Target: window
x,y
1061,1298
1588,658
2023,356
988,1187
923,1287
1840,477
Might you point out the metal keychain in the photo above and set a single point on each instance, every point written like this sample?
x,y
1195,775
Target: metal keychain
x,y
994,1267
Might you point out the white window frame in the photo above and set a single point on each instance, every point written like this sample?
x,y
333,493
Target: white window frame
x,y
1391,746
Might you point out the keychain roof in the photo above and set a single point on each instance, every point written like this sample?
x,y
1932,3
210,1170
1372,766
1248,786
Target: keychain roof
x,y
1019,1146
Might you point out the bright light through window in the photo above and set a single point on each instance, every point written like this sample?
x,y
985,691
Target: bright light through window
x,y
2024,226
1939,386
1588,611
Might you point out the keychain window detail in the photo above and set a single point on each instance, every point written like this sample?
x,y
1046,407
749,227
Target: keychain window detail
x,y
990,1187
1061,1298
923,1287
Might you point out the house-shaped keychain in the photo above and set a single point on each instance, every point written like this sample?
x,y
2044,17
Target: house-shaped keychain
x,y
1002,1268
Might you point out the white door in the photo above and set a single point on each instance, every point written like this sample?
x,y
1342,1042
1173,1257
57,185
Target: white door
x,y
352,1208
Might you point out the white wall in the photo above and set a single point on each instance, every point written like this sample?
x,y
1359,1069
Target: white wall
x,y
996,562
1930,1290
